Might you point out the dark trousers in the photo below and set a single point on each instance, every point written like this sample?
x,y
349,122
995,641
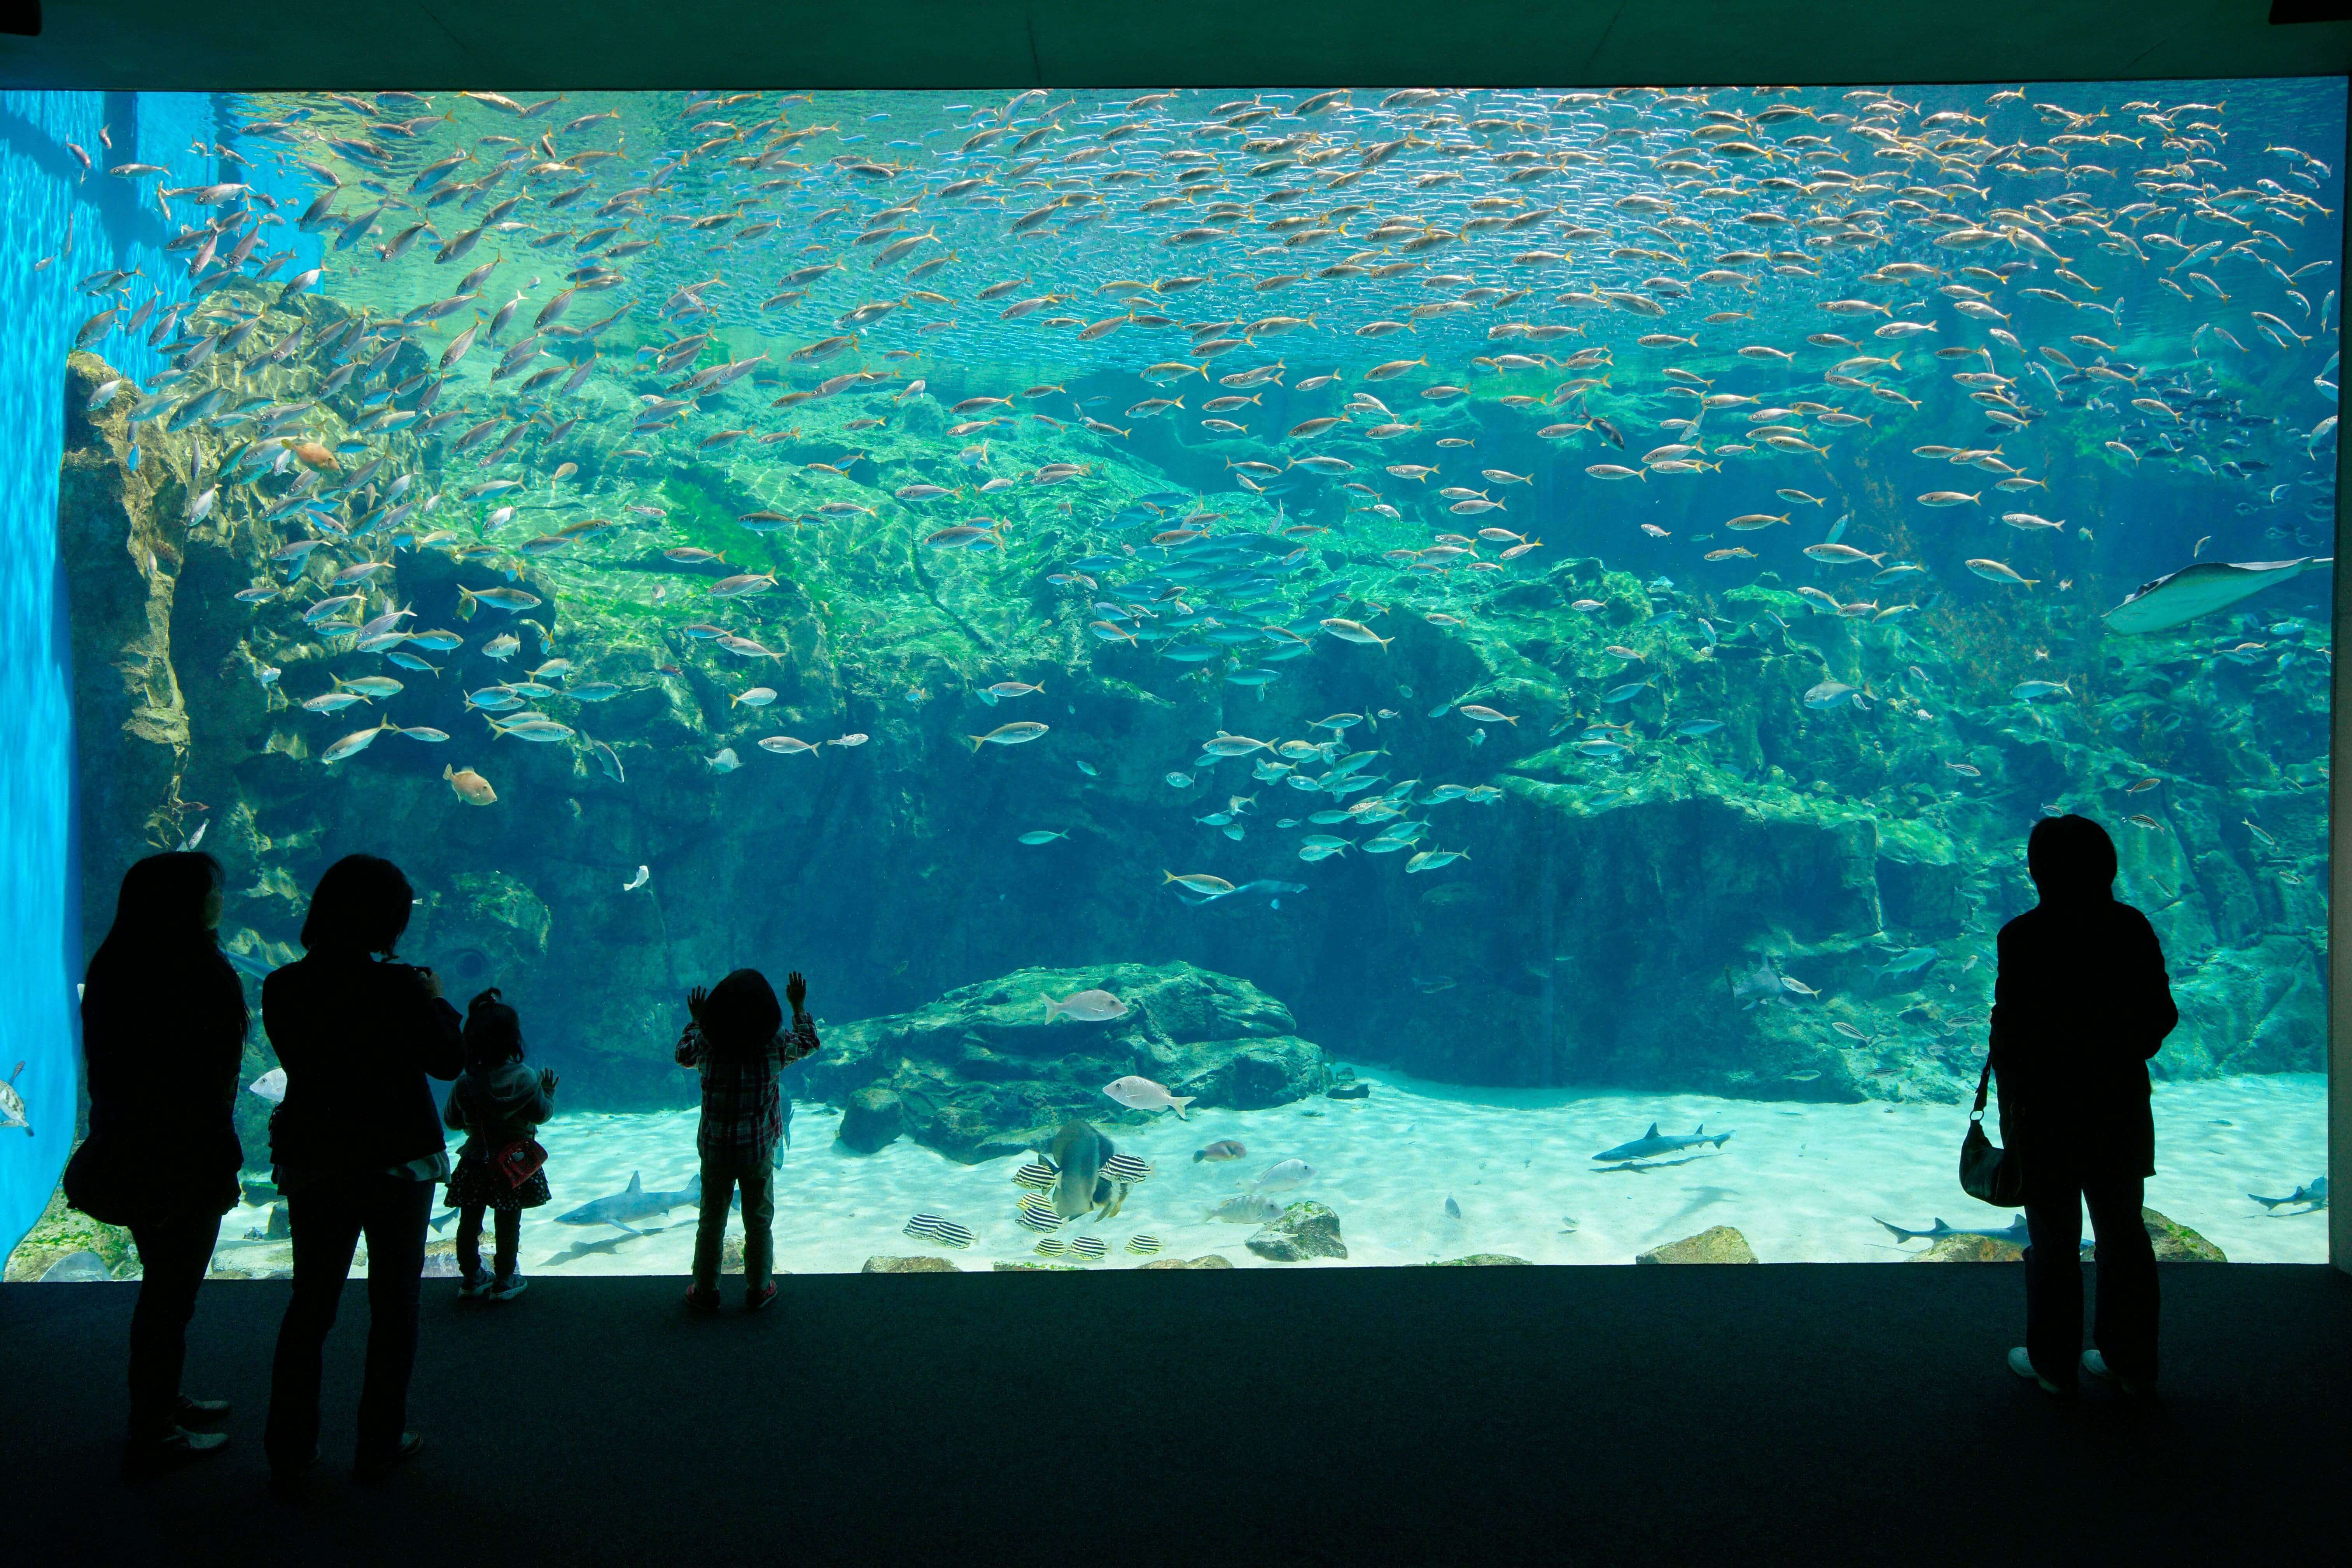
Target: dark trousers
x,y
174,1255
508,1230
721,1175
327,1220
2124,1320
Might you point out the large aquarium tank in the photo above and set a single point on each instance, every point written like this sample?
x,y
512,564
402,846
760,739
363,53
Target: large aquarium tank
x,y
1412,676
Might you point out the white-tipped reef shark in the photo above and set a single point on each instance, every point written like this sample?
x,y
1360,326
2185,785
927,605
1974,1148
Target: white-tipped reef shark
x,y
1651,1143
633,1204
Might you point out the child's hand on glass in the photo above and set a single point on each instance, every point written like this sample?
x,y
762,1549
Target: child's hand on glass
x,y
694,1001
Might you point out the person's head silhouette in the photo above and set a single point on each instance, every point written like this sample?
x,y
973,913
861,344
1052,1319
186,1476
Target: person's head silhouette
x,y
2071,859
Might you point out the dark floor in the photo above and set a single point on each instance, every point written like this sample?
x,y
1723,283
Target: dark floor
x,y
1822,1415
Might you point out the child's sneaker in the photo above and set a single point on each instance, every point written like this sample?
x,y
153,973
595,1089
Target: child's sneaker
x,y
509,1289
755,1300
698,1299
472,1284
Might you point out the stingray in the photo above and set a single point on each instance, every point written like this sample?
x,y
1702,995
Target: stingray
x,y
2201,589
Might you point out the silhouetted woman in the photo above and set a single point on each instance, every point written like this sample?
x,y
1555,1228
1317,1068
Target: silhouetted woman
x,y
2081,1005
358,1148
163,1033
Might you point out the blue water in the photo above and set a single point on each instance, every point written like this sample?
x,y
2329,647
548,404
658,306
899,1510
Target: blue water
x,y
44,190
1671,521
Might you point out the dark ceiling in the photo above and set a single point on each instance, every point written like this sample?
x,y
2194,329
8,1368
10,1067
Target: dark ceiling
x,y
974,44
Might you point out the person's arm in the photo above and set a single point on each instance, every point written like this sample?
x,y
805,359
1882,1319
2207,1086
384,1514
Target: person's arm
x,y
2151,988
2003,1029
453,1115
437,1027
802,1041
542,1103
690,1050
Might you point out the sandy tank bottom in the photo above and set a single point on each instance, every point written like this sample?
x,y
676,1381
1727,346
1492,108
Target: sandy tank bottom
x,y
1803,1182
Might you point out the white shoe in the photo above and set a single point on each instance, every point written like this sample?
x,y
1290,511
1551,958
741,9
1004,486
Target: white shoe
x,y
2022,1364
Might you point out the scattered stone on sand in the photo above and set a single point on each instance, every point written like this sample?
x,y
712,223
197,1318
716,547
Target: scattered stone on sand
x,y
1356,1091
1971,1249
879,1265
1209,1261
1304,1230
1721,1243
1483,1259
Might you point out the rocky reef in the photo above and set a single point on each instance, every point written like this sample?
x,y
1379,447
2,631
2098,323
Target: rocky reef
x,y
988,1070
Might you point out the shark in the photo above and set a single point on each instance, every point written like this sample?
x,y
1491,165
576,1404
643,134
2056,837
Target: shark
x,y
2200,589
633,1204
1649,1143
2014,1232
2315,1195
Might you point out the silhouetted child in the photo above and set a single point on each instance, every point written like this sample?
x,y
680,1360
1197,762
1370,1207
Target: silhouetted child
x,y
496,1103
735,1038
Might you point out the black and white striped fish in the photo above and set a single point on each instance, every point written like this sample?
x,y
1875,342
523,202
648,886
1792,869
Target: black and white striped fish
x,y
945,1232
1049,1248
1088,1247
1126,1168
1034,1175
1143,1246
1037,1214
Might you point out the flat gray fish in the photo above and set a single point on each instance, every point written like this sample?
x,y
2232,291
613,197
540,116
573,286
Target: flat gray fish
x,y
2179,597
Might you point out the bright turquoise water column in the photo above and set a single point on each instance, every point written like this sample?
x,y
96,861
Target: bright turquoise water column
x,y
81,223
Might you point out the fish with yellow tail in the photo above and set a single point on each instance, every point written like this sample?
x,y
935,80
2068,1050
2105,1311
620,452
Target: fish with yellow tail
x,y
1008,735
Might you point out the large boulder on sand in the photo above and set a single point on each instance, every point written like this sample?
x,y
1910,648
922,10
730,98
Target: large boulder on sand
x,y
992,1069
871,1120
1305,1230
1720,1244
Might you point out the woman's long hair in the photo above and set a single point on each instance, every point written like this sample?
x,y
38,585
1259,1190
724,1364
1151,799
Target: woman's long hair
x,y
361,906
159,940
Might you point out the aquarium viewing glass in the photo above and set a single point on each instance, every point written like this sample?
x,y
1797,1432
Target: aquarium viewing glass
x,y
1481,660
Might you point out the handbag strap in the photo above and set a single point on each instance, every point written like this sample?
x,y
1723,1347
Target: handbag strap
x,y
1984,1080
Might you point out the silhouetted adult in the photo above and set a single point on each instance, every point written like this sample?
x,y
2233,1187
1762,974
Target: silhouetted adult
x,y
2080,1005
163,1035
358,1148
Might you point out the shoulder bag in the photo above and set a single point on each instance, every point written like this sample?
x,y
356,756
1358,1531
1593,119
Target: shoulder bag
x,y
1994,1175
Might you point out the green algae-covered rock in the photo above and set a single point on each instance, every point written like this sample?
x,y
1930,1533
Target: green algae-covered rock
x,y
1721,1243
1207,1261
1305,1229
2176,1243
62,1232
1482,1261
